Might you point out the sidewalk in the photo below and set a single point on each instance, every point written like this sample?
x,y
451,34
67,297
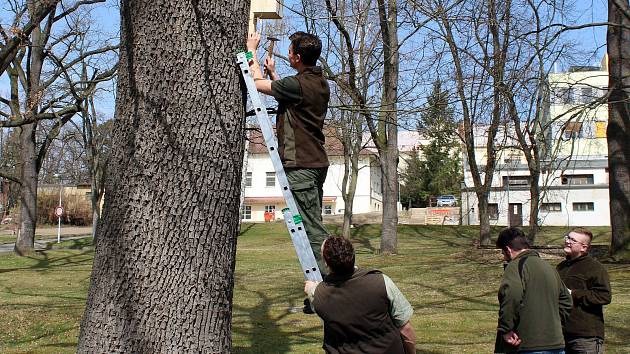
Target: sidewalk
x,y
43,236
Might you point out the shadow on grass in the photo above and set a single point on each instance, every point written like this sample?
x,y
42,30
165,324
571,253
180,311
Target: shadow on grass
x,y
48,333
617,332
361,234
45,263
266,333
62,345
245,229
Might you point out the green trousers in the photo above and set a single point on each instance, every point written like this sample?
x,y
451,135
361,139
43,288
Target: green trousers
x,y
307,189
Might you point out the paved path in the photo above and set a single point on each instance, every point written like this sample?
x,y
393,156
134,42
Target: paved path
x,y
45,236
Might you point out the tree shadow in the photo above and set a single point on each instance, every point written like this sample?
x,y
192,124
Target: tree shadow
x,y
361,234
245,229
45,263
267,334
617,332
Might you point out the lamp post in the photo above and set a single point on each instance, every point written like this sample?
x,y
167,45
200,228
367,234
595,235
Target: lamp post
x,y
59,209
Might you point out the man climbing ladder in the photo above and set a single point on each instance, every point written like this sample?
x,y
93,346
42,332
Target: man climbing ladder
x,y
302,105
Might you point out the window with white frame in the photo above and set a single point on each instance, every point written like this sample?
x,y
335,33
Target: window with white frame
x,y
583,206
248,179
586,94
577,179
551,207
516,181
246,212
270,208
563,95
270,179
327,209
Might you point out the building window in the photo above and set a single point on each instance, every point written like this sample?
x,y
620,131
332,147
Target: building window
x,y
270,208
493,211
516,181
587,94
563,95
248,179
551,207
327,209
584,206
270,180
572,130
575,180
246,212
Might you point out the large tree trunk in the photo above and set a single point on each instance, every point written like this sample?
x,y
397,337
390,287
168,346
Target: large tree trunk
x,y
349,188
28,153
163,271
484,219
389,236
25,241
534,204
618,130
388,147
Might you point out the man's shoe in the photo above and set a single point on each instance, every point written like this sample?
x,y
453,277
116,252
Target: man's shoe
x,y
307,309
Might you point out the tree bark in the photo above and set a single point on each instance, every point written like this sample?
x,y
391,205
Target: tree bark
x,y
163,270
618,40
25,241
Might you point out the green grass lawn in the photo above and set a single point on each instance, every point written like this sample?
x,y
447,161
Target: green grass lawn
x,y
451,286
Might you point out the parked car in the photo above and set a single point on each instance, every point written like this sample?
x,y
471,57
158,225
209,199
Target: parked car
x,y
446,200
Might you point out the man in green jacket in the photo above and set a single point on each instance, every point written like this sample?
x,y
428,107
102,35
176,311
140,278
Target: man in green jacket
x,y
534,303
302,106
588,282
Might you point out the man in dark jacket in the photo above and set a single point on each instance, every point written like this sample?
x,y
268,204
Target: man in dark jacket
x,y
588,283
302,105
363,310
534,303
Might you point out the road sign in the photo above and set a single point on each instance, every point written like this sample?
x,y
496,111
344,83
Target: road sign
x,y
59,211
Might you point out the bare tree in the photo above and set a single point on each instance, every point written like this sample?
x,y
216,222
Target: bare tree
x,y
21,31
163,272
618,131
347,118
45,86
381,120
478,64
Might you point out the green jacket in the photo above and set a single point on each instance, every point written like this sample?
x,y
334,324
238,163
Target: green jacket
x,y
590,290
534,303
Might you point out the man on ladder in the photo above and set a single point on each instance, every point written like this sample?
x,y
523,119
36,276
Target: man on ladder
x,y
302,105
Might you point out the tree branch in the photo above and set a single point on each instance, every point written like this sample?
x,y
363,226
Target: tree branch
x,y
8,52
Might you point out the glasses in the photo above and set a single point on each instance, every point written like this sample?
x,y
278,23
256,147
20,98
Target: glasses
x,y
569,239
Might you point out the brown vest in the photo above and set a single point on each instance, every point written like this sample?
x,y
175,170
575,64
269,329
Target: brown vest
x,y
355,311
300,126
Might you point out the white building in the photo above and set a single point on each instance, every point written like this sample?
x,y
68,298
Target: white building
x,y
574,180
263,194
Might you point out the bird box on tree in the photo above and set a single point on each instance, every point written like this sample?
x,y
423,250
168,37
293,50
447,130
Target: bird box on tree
x,y
264,9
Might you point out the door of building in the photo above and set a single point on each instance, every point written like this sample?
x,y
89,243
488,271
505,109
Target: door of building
x,y
516,214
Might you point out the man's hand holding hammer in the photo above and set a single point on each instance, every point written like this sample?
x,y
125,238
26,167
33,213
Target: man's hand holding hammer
x,y
262,85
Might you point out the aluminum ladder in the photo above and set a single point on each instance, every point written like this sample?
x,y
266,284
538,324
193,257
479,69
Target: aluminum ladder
x,y
291,215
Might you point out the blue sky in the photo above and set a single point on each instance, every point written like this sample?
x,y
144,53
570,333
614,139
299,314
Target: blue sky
x,y
592,40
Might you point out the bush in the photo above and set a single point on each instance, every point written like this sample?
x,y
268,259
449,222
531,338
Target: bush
x,y
77,209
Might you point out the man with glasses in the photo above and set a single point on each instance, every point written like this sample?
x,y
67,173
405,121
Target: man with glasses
x,y
589,285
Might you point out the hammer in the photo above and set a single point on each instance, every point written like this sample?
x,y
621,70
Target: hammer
x,y
272,41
